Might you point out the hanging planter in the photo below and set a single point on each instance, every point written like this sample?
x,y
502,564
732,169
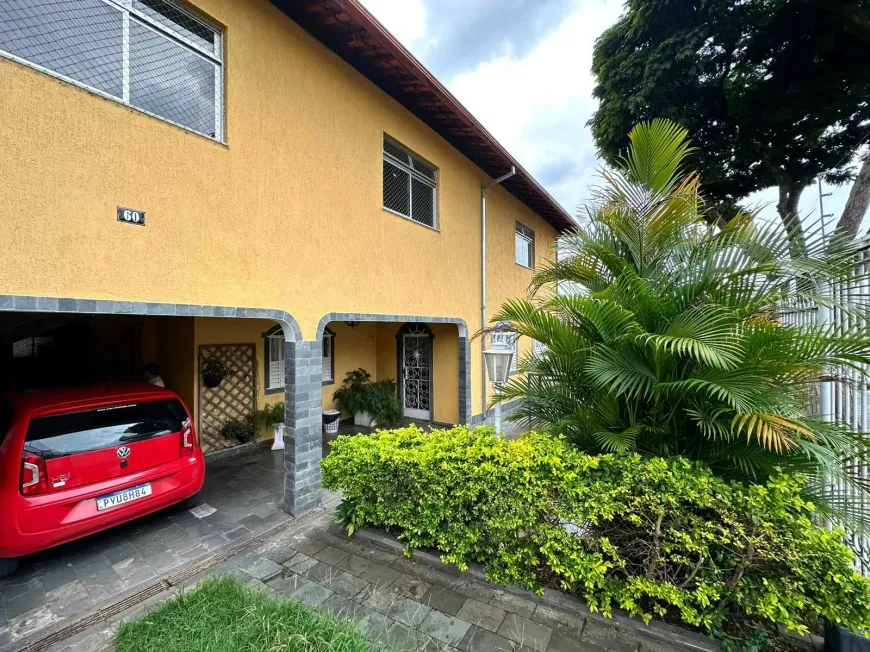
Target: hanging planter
x,y
213,372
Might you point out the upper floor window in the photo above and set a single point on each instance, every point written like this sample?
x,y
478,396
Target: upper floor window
x,y
524,241
150,54
410,185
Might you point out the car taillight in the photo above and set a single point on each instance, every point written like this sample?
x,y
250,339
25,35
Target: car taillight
x,y
34,478
187,439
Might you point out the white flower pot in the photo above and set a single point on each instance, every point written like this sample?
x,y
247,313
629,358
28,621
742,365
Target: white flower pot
x,y
278,444
364,419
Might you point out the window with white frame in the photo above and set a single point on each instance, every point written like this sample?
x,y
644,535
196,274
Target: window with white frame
x,y
511,340
524,241
153,55
538,348
328,357
410,185
273,342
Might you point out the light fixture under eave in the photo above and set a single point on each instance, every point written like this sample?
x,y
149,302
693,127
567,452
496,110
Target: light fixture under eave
x,y
351,324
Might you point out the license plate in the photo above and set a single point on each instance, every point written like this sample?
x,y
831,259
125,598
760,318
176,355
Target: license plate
x,y
123,497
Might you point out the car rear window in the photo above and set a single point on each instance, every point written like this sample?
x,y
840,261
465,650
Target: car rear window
x,y
90,430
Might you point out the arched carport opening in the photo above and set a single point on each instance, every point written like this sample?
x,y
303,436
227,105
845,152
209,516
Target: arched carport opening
x,y
51,342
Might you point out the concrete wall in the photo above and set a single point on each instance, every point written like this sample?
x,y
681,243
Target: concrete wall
x,y
286,215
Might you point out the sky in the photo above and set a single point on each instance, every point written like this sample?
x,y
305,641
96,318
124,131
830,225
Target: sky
x,y
523,69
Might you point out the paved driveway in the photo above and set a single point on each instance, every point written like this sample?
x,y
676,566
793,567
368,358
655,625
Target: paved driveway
x,y
242,497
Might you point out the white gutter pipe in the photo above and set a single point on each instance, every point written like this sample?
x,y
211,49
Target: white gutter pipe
x,y
483,190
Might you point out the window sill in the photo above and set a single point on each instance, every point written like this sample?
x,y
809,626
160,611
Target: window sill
x,y
328,382
405,217
531,269
274,390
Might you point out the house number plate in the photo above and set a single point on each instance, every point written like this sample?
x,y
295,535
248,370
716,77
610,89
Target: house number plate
x,y
131,216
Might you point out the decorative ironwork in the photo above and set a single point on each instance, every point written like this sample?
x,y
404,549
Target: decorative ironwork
x,y
233,399
417,381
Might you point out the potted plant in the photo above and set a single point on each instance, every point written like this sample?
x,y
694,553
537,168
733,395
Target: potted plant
x,y
213,372
272,416
240,430
372,402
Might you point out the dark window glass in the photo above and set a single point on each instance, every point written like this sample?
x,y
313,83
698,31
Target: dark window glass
x,y
396,189
81,432
171,81
80,39
178,21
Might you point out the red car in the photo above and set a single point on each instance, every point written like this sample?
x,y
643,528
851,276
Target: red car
x,y
77,461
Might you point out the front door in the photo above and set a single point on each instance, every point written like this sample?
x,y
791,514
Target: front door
x,y
417,376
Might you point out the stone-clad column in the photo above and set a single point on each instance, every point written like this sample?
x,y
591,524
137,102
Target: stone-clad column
x,y
303,363
464,380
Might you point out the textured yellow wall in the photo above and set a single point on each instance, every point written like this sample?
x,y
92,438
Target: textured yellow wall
x,y
287,215
354,348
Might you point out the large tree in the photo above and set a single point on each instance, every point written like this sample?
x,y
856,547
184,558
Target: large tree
x,y
774,92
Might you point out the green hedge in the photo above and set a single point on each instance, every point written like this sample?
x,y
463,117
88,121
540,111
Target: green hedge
x,y
654,537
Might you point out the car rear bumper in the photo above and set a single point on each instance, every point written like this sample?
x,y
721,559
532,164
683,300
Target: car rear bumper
x,y
29,524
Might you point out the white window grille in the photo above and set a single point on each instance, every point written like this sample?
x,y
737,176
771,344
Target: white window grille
x,y
328,357
538,348
524,241
275,378
410,185
152,55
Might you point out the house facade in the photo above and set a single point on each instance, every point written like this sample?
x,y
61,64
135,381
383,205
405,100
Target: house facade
x,y
277,185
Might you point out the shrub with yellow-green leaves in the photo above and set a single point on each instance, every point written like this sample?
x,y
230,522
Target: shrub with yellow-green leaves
x,y
655,537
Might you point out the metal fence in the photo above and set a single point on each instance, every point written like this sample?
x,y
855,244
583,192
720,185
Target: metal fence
x,y
843,398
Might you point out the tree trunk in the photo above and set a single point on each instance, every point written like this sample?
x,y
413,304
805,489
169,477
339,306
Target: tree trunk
x,y
787,207
856,205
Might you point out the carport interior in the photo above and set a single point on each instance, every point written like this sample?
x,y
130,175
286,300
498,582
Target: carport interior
x,y
47,350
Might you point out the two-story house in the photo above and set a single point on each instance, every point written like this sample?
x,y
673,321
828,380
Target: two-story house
x,y
278,185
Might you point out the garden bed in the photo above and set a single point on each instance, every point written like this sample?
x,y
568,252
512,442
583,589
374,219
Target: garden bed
x,y
632,538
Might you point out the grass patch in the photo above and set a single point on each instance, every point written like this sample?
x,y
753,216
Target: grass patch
x,y
222,614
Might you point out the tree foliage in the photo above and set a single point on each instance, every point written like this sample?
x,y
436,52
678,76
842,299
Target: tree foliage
x,y
774,92
675,342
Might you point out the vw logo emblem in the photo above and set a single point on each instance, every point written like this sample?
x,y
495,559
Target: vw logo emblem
x,y
123,452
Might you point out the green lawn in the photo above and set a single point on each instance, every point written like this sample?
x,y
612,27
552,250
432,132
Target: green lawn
x,y
224,615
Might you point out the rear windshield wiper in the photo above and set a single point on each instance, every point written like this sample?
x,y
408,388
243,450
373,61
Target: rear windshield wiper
x,y
139,436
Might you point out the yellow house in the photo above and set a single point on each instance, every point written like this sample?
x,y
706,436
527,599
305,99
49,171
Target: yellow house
x,y
277,185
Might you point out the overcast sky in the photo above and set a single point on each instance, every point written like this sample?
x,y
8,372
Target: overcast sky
x,y
522,67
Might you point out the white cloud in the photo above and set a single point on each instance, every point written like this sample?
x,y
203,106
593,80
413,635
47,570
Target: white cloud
x,y
535,98
406,19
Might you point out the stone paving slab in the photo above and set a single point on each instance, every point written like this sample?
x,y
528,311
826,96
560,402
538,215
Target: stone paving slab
x,y
69,581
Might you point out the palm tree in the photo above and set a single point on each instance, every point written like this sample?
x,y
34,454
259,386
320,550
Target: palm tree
x,y
674,341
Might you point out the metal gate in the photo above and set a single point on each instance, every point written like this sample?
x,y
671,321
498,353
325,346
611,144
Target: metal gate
x,y
234,399
416,376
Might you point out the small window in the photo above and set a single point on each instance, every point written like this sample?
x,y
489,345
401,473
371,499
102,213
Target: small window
x,y
31,347
410,185
150,54
274,357
328,357
525,246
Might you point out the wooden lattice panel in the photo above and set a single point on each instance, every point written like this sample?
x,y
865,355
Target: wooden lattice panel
x,y
233,399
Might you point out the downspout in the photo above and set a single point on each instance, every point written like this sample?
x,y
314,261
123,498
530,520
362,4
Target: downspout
x,y
483,190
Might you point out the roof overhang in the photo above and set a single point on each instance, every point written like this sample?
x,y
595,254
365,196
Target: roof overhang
x,y
350,31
